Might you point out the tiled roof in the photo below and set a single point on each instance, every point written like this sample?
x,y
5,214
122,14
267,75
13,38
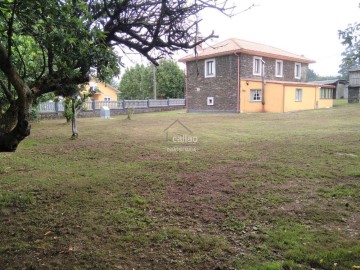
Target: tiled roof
x,y
233,45
335,81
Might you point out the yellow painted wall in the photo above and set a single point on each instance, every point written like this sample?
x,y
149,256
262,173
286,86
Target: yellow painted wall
x,y
323,103
246,105
104,91
273,97
281,97
308,101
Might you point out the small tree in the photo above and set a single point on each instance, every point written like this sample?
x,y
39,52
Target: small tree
x,y
67,102
73,106
76,107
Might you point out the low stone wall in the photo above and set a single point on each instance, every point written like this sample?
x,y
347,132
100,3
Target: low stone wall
x,y
113,112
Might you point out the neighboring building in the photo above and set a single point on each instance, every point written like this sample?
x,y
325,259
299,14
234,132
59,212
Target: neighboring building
x,y
354,85
241,76
340,90
104,92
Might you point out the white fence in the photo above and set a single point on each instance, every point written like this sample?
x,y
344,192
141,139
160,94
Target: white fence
x,y
50,106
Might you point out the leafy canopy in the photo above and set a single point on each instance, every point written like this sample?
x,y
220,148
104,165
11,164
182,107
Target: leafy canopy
x,y
138,81
350,37
50,46
53,44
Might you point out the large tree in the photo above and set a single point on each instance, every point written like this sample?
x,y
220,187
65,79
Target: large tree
x,y
45,46
138,81
49,46
350,37
170,80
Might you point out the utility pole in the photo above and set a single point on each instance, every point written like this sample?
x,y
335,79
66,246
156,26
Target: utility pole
x,y
263,84
154,79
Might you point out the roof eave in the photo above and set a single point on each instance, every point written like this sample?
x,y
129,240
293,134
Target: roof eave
x,y
290,83
200,57
279,56
257,53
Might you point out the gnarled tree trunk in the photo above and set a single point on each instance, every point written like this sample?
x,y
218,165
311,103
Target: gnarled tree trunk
x,y
8,120
10,141
15,123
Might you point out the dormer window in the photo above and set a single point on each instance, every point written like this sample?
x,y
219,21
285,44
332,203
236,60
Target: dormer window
x,y
210,68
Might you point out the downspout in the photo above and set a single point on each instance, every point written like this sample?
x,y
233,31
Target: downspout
x,y
283,98
263,85
187,88
238,85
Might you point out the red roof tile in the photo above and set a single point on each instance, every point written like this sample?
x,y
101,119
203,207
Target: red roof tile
x,y
234,45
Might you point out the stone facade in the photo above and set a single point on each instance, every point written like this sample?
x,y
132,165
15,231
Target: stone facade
x,y
288,69
222,88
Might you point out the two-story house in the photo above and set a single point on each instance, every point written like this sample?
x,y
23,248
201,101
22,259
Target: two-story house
x,y
241,76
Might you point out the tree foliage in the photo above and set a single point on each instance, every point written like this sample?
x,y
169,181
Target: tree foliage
x,y
313,76
170,80
350,37
50,46
138,81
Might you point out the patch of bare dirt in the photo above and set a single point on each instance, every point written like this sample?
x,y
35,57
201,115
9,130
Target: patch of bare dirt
x,y
200,194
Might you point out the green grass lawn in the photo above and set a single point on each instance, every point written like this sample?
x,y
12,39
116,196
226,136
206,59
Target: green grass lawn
x,y
254,191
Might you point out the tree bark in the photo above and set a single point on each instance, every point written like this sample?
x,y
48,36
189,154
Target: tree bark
x,y
8,120
75,133
10,139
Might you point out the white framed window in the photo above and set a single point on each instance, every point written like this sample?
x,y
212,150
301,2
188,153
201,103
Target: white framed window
x,y
210,68
298,94
279,68
326,93
257,64
210,101
107,98
297,71
255,95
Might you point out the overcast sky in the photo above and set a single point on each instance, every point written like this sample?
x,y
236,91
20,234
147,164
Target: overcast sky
x,y
307,27
304,27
